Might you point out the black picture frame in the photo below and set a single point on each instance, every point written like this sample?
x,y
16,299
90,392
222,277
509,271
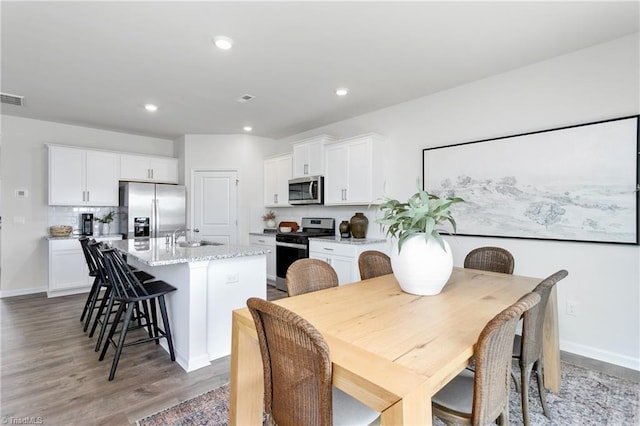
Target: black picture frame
x,y
575,183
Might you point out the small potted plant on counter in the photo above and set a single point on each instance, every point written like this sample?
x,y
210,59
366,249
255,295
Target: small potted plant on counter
x,y
269,219
106,222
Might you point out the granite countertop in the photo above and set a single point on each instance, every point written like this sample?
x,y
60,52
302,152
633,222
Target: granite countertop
x,y
76,236
354,241
155,251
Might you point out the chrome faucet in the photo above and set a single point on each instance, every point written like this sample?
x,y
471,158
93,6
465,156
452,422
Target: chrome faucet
x,y
176,234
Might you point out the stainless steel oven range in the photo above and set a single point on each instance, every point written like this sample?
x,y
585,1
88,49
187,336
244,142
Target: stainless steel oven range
x,y
291,246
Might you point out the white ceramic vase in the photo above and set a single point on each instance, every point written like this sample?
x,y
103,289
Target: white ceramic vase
x,y
270,223
422,267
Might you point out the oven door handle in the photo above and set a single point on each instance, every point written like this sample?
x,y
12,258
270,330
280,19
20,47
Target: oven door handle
x,y
292,245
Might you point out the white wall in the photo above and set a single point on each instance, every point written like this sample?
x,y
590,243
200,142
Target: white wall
x,y
24,166
244,153
588,85
593,84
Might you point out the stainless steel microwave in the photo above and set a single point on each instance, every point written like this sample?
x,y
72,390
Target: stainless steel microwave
x,y
306,190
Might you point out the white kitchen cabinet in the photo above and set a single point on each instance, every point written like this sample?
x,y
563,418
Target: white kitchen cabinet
x,y
268,242
148,169
68,271
308,156
343,256
81,177
277,172
354,173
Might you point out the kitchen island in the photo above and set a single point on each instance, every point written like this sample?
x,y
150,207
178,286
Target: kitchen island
x,y
212,281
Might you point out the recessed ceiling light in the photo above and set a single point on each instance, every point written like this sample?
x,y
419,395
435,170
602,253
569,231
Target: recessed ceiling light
x,y
247,128
342,91
151,107
222,42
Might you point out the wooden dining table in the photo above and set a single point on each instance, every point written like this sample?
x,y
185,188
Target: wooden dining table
x,y
390,349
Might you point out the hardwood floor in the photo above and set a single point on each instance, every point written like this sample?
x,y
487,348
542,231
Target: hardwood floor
x,y
50,372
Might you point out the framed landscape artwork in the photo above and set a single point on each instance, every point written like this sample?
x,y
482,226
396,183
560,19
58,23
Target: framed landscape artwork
x,y
577,183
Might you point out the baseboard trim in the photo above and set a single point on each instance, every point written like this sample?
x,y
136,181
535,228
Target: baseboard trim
x,y
22,291
601,366
606,357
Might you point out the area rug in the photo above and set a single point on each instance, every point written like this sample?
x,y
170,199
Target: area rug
x,y
587,397
211,408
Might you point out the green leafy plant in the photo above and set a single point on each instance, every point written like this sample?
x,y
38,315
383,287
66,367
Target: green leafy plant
x,y
420,214
107,218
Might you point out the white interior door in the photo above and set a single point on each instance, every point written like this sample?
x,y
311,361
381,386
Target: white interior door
x,y
215,201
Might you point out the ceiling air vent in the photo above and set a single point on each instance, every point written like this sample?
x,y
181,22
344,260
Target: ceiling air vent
x,y
7,98
245,98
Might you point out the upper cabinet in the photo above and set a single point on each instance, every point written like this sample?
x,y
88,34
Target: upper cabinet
x,y
277,172
148,169
308,156
82,177
354,172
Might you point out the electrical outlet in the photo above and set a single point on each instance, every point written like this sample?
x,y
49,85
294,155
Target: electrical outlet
x,y
572,308
233,278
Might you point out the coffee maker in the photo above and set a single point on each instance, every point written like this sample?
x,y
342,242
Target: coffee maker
x,y
86,224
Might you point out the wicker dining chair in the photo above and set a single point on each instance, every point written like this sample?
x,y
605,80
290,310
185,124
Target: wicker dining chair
x,y
494,259
527,349
307,275
373,263
297,372
482,397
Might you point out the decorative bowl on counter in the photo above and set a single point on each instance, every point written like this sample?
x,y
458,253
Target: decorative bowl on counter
x,y
60,230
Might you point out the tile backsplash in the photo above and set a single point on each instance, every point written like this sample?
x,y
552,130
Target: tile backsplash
x,y
70,215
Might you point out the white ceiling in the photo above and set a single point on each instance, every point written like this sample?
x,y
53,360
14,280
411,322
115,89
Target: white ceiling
x,y
97,63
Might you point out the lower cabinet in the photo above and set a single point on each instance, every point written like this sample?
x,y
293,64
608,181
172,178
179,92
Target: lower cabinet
x,y
269,243
68,271
343,255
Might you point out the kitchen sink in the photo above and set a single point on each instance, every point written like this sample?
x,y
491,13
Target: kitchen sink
x,y
198,243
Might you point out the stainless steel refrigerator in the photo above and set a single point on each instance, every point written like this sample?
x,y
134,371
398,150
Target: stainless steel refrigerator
x,y
150,210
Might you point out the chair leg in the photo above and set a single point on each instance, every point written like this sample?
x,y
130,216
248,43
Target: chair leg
x,y
95,294
526,374
167,329
145,310
515,380
121,340
105,322
154,319
112,330
103,304
541,389
90,296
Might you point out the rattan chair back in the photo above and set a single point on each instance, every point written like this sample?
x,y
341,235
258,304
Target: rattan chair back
x,y
492,370
533,320
528,348
493,259
373,263
297,367
307,275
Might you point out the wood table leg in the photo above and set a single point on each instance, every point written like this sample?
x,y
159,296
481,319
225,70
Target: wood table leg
x,y
551,344
245,407
413,409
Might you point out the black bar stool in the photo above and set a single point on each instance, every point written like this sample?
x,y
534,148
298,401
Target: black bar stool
x,y
105,310
92,297
130,292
